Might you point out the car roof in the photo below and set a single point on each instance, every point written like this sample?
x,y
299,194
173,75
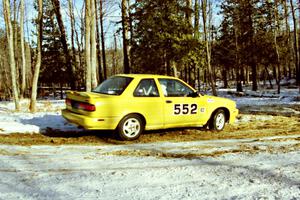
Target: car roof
x,y
140,76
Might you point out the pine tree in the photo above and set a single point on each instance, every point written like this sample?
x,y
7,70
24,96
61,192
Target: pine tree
x,y
53,69
162,36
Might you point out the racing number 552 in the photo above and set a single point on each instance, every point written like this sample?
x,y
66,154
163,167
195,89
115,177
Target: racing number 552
x,y
185,109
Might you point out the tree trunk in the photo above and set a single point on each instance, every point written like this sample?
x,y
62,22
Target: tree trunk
x,y
115,55
15,36
79,44
130,38
103,41
12,64
39,57
63,39
93,46
207,50
174,69
29,71
197,18
296,44
276,46
98,44
287,39
189,11
198,79
73,31
224,76
269,77
239,86
125,37
88,78
23,56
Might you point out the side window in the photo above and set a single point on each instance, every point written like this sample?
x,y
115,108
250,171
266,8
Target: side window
x,y
174,88
146,88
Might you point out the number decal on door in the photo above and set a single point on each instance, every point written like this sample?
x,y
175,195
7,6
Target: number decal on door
x,y
185,109
194,108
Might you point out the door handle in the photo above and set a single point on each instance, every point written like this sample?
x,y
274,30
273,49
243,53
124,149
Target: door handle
x,y
168,101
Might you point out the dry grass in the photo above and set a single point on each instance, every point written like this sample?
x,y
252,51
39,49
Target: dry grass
x,y
278,126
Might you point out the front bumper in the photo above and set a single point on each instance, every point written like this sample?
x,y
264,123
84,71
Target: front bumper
x,y
233,115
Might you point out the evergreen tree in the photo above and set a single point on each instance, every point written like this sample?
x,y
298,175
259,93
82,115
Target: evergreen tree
x,y
162,36
53,68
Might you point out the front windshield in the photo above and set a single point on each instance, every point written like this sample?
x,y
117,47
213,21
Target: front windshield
x,y
113,86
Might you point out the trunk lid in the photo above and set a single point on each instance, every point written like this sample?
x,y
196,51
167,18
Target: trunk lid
x,y
84,103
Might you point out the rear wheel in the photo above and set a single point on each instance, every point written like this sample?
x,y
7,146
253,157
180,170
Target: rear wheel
x,y
130,127
218,121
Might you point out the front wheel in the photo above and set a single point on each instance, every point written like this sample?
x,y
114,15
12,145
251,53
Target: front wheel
x,y
130,127
218,121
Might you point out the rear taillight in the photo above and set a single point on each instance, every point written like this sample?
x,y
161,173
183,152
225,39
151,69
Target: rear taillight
x,y
87,107
68,102
80,105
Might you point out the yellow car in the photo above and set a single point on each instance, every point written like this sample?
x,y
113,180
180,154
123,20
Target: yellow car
x,y
133,103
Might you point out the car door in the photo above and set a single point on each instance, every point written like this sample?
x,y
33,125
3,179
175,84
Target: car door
x,y
181,105
148,102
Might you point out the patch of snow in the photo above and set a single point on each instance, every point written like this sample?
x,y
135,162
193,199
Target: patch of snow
x,y
34,123
251,118
90,172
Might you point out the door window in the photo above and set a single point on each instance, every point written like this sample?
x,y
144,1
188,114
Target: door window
x,y
174,88
146,88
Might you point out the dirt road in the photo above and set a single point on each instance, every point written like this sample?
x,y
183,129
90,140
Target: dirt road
x,y
247,126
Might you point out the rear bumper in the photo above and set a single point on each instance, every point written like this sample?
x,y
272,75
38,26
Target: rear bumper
x,y
90,123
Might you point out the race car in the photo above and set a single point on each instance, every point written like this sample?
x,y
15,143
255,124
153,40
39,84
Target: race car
x,y
132,103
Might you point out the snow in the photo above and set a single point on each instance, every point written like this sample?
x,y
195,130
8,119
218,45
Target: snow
x,y
49,116
213,169
94,172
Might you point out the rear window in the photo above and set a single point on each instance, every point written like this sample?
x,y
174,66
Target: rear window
x,y
113,86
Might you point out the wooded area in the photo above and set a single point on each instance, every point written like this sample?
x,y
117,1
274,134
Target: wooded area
x,y
235,42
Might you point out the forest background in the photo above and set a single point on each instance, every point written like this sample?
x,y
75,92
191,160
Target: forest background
x,y
50,45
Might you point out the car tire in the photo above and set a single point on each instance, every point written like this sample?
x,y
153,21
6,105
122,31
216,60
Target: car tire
x,y
218,120
130,127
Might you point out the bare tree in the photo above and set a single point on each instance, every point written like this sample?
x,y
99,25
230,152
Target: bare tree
x,y
79,42
276,30
296,44
93,58
287,39
207,49
98,43
73,31
12,64
103,39
39,57
114,57
23,56
125,36
88,81
63,39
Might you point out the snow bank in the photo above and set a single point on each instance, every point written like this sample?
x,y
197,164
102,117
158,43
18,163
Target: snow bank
x,y
25,122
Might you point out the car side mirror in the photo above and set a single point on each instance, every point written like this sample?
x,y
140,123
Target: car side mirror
x,y
194,94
